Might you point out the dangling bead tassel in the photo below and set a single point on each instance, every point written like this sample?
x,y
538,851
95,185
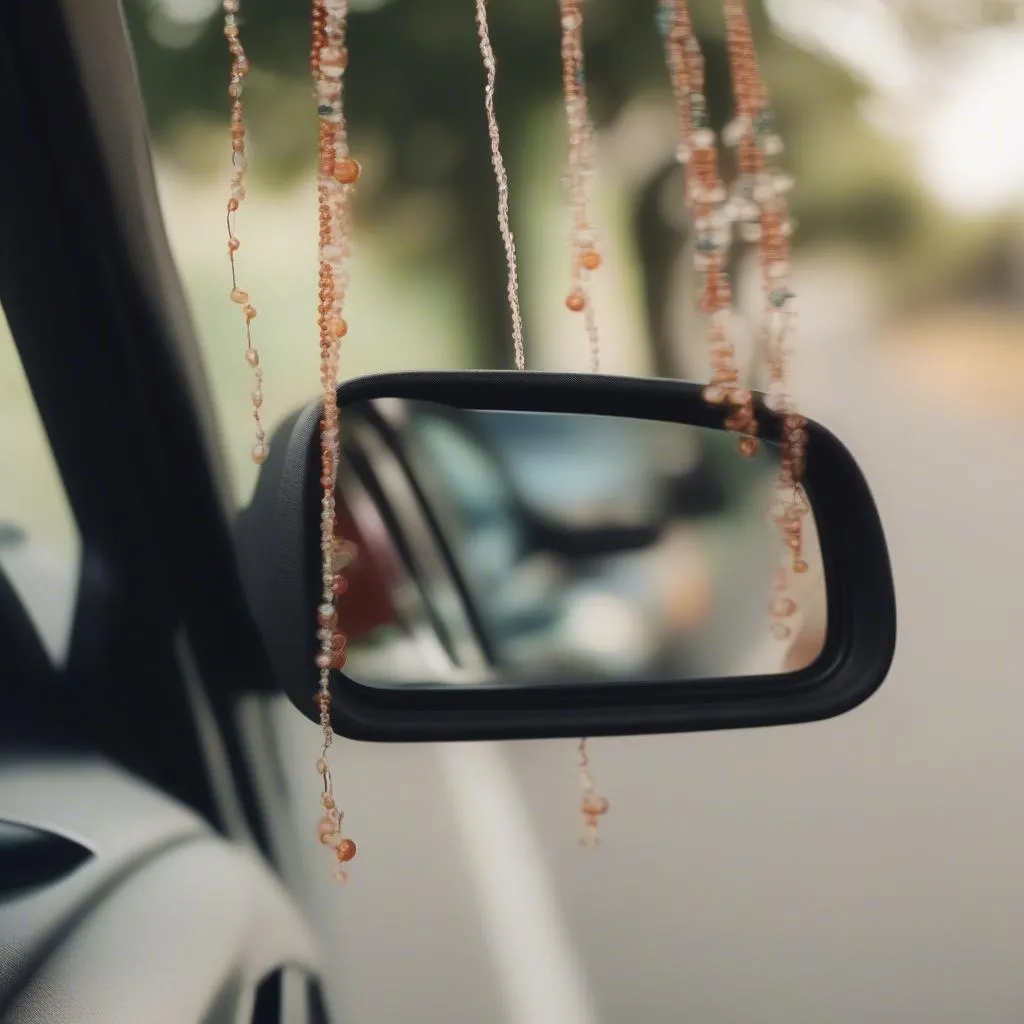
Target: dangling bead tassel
x,y
593,806
761,209
706,198
240,163
586,257
337,173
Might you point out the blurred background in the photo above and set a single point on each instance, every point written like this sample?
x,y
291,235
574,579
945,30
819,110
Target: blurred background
x,y
903,122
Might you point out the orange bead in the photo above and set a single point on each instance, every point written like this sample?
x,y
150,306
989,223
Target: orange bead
x,y
328,801
800,566
590,259
346,850
347,170
748,447
338,327
594,806
575,301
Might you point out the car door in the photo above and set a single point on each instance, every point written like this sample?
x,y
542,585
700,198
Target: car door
x,y
134,877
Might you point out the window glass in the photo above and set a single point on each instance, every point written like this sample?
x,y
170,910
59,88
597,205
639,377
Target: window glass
x,y
39,543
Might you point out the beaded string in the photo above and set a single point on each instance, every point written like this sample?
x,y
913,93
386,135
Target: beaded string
x,y
337,173
585,257
592,805
706,199
759,206
240,163
501,177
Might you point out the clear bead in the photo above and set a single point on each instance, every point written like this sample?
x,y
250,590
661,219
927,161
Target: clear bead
x,y
704,138
735,130
782,183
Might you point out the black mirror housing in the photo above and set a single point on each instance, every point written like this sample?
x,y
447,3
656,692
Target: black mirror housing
x,y
278,549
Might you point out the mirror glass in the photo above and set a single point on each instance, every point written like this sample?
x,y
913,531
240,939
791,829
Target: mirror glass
x,y
496,548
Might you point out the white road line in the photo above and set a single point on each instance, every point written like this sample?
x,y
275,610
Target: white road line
x,y
534,958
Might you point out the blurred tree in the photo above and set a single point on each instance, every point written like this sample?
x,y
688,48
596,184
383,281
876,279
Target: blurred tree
x,y
416,109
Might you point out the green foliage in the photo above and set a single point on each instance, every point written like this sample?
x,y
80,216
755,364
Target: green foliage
x,y
414,99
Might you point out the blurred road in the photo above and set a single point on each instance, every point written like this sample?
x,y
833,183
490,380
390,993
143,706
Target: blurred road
x,y
863,869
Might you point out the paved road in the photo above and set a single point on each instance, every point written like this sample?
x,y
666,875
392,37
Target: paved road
x,y
864,869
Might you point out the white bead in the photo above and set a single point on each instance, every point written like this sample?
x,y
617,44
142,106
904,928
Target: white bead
x,y
782,183
721,219
735,130
704,138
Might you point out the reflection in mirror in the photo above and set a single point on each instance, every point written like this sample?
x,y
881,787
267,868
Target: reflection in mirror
x,y
512,548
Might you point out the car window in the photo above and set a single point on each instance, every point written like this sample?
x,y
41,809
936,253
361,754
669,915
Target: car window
x,y
39,541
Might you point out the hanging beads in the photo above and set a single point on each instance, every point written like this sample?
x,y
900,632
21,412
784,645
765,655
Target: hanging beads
x,y
240,163
593,806
585,258
706,197
337,173
758,206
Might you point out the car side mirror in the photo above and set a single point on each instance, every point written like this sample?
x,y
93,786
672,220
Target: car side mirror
x,y
496,622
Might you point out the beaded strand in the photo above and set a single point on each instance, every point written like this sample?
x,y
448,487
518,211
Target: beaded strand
x,y
337,173
759,207
240,164
585,257
706,198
